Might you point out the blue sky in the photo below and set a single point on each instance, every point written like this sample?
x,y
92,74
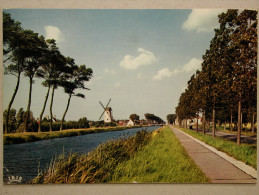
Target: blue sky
x,y
141,59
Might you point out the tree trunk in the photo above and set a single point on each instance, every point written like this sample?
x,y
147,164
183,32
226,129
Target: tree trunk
x,y
197,125
50,109
239,123
231,121
213,123
225,125
43,109
203,122
28,107
253,124
218,124
11,102
235,126
68,102
186,123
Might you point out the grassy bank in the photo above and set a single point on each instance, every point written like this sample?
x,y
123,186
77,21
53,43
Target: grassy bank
x,y
161,160
17,138
146,157
244,152
95,167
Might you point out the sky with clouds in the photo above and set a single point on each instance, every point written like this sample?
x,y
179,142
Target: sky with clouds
x,y
141,59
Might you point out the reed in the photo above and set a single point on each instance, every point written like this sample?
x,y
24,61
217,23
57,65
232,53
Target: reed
x,y
95,167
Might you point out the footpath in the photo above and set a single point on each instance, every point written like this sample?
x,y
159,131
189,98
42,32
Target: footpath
x,y
216,165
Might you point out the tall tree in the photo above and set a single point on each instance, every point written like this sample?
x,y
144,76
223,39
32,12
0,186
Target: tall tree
x,y
59,67
242,50
34,51
13,55
53,61
74,81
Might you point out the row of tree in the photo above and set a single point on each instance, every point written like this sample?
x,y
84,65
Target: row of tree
x,y
17,122
227,82
151,119
26,53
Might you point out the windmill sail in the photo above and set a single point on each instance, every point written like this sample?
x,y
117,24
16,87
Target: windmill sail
x,y
107,113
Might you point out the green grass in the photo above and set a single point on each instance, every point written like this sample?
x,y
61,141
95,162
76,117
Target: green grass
x,y
17,138
243,152
163,159
145,157
249,133
95,167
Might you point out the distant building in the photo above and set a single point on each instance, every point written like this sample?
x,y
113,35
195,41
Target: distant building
x,y
123,122
130,123
190,121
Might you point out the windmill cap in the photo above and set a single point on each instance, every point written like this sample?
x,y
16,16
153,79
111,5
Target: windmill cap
x,y
108,108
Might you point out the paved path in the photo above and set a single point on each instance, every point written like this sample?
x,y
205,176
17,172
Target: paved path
x,y
215,167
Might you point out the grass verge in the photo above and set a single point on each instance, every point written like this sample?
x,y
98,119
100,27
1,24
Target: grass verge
x,y
146,157
163,159
95,167
17,138
244,152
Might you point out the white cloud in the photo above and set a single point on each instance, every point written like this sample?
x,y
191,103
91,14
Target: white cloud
x,y
143,59
202,20
165,72
53,32
192,65
107,70
118,84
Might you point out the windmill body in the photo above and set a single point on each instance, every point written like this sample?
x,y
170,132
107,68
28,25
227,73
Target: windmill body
x,y
107,117
107,113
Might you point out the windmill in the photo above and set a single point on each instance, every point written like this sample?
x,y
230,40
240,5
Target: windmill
x,y
107,113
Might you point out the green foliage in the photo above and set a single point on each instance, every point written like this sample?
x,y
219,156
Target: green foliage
x,y
96,167
12,120
27,52
151,118
97,124
11,33
163,159
134,117
110,124
227,81
74,79
19,117
83,123
171,118
102,124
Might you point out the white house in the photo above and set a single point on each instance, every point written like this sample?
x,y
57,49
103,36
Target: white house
x,y
130,123
190,121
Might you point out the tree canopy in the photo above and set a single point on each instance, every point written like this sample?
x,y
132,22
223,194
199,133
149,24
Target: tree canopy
x,y
227,82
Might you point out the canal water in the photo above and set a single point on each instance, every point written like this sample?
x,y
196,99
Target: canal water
x,y
25,160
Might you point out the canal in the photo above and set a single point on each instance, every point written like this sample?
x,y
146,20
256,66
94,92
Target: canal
x,y
27,159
